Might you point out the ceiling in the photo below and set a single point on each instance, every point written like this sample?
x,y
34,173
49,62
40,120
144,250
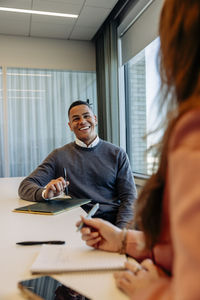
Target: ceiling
x,y
92,14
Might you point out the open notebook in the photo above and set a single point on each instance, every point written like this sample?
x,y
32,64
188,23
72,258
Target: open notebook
x,y
58,259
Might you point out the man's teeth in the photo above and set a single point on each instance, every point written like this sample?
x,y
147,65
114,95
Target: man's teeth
x,y
83,128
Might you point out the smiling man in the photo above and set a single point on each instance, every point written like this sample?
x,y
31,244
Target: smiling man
x,y
95,169
82,122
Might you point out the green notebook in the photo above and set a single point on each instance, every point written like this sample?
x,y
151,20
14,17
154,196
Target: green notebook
x,y
51,207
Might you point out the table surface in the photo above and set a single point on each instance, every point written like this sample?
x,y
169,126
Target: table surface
x,y
15,260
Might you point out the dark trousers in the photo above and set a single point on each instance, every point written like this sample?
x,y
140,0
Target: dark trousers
x,y
108,216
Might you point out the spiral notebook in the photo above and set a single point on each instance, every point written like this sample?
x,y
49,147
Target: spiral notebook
x,y
59,259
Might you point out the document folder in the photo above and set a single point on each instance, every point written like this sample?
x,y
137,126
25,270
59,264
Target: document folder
x,y
51,207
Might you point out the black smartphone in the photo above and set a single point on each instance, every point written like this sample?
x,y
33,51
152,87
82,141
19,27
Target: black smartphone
x,y
48,288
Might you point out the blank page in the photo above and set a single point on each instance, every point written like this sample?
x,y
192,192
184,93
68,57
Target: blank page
x,y
56,259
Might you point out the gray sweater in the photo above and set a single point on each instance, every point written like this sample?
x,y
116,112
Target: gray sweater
x,y
101,173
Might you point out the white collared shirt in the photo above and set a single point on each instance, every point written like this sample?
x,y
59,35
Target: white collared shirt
x,y
81,144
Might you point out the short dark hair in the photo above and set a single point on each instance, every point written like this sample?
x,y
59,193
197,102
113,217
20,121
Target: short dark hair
x,y
78,102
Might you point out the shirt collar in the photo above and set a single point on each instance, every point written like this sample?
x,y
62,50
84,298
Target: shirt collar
x,y
81,144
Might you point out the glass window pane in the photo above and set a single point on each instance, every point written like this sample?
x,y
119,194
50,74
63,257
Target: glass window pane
x,y
1,127
142,83
38,101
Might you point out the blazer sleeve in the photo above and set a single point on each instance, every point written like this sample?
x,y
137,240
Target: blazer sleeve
x,y
184,210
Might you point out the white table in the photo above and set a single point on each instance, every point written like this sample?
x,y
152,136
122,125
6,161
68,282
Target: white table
x,y
15,261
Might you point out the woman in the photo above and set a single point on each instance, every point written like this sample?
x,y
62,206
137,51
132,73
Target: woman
x,y
168,209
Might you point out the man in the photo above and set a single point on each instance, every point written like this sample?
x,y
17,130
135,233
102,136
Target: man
x,y
95,169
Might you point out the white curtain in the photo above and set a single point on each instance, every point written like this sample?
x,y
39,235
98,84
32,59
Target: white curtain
x,y
38,101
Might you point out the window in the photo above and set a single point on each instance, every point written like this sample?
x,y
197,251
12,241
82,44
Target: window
x,y
37,105
142,83
138,35
1,125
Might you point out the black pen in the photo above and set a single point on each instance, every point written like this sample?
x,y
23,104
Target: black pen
x,y
65,177
31,243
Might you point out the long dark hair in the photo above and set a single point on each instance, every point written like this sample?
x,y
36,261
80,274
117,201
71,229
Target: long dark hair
x,y
179,60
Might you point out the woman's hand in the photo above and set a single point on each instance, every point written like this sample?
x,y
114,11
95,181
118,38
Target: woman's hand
x,y
101,234
137,277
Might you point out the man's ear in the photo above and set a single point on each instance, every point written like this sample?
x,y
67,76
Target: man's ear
x,y
96,121
70,126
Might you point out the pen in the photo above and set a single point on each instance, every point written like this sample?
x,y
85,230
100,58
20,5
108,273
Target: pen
x,y
65,177
89,215
31,243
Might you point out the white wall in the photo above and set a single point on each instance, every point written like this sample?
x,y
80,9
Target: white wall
x,y
47,53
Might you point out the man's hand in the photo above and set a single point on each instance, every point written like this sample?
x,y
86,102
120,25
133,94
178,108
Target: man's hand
x,y
55,187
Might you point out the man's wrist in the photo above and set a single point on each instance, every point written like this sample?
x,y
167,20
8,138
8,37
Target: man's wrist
x,y
43,194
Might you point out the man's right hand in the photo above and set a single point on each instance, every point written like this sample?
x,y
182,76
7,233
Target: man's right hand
x,y
54,188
